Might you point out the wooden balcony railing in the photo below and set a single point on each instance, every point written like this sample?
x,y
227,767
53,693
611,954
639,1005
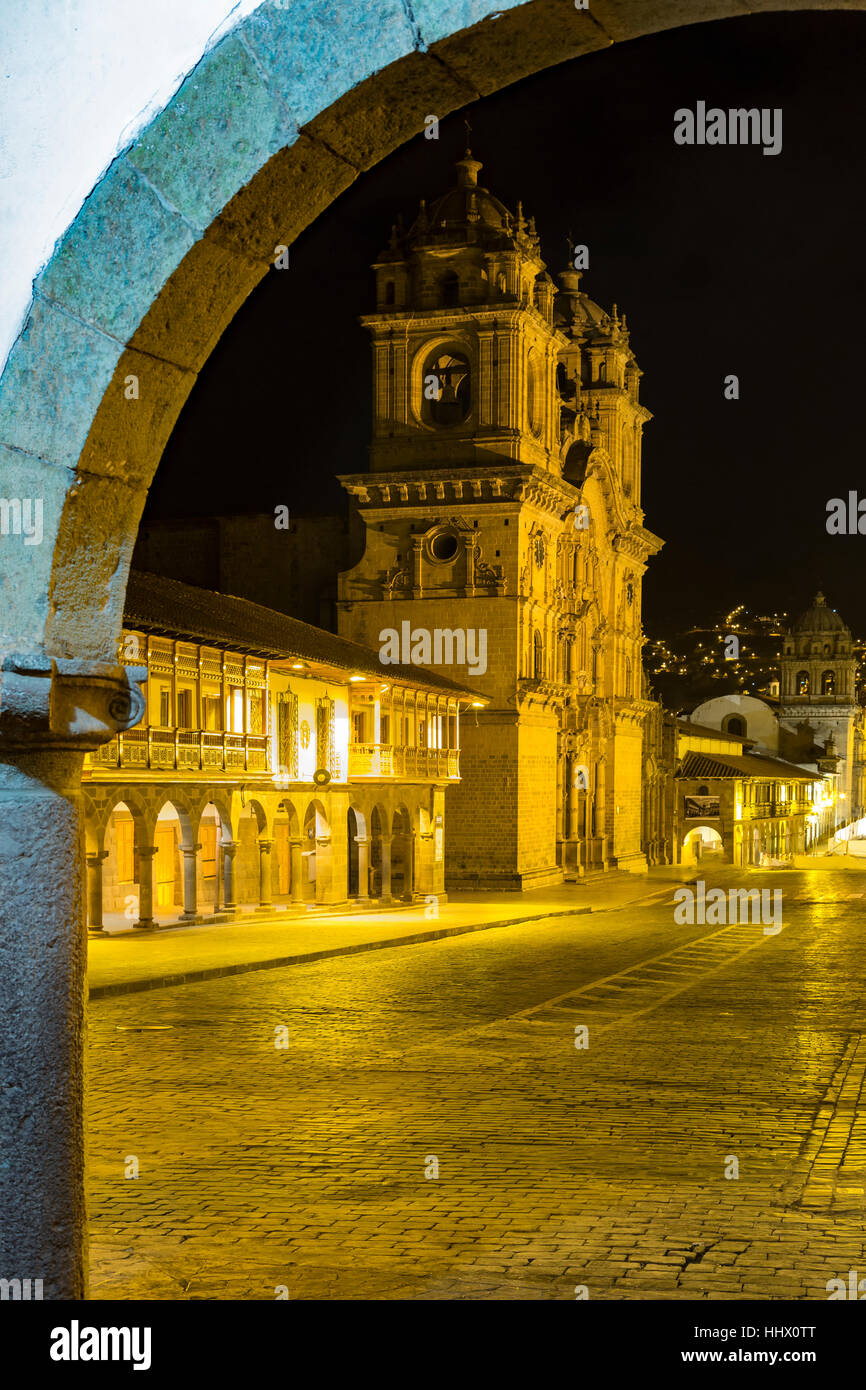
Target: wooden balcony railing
x,y
383,760
184,750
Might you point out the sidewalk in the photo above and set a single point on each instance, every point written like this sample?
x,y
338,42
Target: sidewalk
x,y
128,962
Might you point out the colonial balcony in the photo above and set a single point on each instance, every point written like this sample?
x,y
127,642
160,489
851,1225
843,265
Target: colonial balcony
x,y
384,760
183,750
776,810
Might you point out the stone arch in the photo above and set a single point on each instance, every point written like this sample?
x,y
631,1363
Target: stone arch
x,y
701,841
274,122
181,228
258,813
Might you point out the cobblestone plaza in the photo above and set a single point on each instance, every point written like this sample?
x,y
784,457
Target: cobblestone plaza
x,y
299,1160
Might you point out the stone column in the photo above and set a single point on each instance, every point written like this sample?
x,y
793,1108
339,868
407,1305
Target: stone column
x,y
296,871
229,847
190,886
146,855
265,892
42,1010
52,710
385,893
94,890
363,866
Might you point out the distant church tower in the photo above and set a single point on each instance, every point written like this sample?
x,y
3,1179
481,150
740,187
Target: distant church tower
x,y
818,686
504,496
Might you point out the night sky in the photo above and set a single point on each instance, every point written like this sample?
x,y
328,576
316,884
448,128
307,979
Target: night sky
x,y
724,259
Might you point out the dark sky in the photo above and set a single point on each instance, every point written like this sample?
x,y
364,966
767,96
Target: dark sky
x,y
724,259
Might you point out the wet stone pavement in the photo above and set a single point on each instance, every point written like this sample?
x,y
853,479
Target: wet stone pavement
x,y
281,1130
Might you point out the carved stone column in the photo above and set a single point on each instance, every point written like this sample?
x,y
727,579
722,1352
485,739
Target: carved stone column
x,y
385,891
51,713
266,901
190,884
296,871
146,856
94,891
229,848
363,866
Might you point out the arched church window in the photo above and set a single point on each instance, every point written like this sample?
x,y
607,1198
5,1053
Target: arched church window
x,y
537,656
602,371
389,292
733,724
535,392
446,389
449,289
828,683
802,682
501,282
626,671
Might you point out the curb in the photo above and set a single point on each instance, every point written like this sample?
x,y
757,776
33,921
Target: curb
x,y
414,939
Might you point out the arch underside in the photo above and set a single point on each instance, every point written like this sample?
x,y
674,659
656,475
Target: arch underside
x,y
274,123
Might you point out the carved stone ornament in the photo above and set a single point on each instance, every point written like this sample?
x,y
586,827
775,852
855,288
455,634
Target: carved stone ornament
x,y
64,702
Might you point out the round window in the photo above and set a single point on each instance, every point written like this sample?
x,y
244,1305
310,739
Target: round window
x,y
443,545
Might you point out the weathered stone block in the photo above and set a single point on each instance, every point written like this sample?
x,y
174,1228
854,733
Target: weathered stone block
x,y
627,19
373,119
131,431
437,21
56,376
520,41
25,569
118,253
284,198
225,108
313,53
192,311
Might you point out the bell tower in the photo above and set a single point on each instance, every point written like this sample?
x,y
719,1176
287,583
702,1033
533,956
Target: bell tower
x,y
818,685
499,503
464,347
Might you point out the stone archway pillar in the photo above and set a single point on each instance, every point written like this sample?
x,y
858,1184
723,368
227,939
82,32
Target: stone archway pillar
x,y
363,866
94,891
190,885
296,871
146,856
228,848
324,869
51,713
385,890
266,901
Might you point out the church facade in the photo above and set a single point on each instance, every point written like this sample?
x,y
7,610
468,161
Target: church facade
x,y
504,540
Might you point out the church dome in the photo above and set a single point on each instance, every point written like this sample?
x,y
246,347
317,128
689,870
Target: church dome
x,y
819,618
469,212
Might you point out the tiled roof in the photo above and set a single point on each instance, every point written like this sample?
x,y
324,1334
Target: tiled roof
x,y
746,765
159,605
705,731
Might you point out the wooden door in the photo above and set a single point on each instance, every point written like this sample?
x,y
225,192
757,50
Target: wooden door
x,y
164,861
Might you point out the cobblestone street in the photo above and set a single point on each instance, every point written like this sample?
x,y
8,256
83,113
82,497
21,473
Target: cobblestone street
x,y
261,1165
